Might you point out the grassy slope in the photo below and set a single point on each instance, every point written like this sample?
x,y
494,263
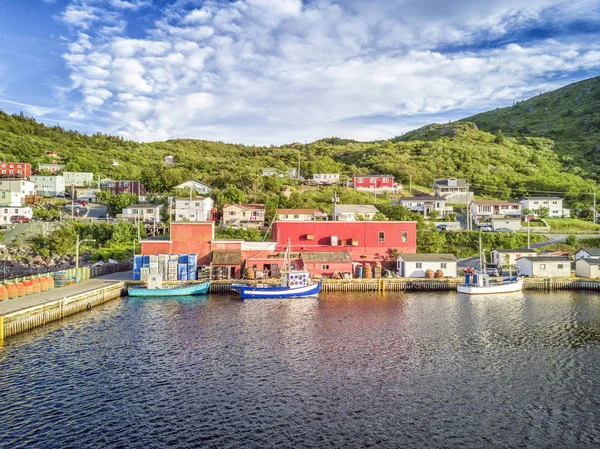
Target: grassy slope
x,y
570,116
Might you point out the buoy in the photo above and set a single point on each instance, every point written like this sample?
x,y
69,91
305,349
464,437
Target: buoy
x,y
28,284
20,288
11,290
3,292
37,285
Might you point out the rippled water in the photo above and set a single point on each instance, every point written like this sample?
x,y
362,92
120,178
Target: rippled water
x,y
348,370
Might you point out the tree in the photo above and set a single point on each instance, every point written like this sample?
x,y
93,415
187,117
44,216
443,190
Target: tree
x,y
572,240
116,203
543,212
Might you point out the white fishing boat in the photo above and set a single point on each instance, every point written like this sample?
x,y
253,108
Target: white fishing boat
x,y
478,282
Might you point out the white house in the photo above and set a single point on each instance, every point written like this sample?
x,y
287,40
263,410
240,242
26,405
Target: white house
x,y
14,199
512,223
243,215
553,203
350,212
200,188
587,253
505,257
49,185
25,188
78,179
300,214
415,265
198,209
455,190
426,204
144,212
587,268
488,209
52,168
87,194
544,267
325,178
7,212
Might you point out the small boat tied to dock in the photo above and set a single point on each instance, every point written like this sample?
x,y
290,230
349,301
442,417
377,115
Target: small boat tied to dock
x,y
155,287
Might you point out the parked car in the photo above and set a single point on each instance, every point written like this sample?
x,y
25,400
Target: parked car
x,y
485,228
493,269
504,230
19,219
82,202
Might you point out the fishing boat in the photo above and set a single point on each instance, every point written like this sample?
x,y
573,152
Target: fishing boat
x,y
293,284
155,288
478,282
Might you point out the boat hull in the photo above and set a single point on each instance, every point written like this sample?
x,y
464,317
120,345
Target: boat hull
x,y
509,287
179,290
254,292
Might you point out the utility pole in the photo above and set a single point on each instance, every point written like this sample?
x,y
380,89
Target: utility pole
x,y
190,208
410,185
528,234
77,243
335,200
594,212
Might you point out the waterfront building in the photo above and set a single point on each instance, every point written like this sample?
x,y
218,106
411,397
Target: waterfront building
x,y
326,263
587,253
508,257
49,186
415,265
300,214
15,170
354,212
78,179
198,209
544,266
186,237
588,267
243,215
142,212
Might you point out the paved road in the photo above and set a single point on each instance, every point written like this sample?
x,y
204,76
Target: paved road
x,y
14,304
96,210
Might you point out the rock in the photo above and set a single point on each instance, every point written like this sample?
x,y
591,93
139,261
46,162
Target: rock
x,y
38,260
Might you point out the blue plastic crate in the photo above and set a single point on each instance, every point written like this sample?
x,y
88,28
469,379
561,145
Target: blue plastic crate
x,y
183,258
136,276
192,276
146,260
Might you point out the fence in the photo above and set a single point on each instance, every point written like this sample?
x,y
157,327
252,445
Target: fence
x,y
109,268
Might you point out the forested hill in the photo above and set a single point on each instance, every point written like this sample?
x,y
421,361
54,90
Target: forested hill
x,y
497,166
570,116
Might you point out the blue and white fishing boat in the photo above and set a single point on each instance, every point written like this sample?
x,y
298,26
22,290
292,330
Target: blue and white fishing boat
x,y
155,288
294,284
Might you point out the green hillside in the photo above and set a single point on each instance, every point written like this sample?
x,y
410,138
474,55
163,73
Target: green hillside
x,y
497,166
570,116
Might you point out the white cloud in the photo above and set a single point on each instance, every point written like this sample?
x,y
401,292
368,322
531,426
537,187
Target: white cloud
x,y
264,72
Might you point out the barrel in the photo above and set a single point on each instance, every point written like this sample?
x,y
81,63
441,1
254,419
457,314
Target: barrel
x,y
3,292
368,271
11,290
37,285
20,288
49,281
359,271
28,284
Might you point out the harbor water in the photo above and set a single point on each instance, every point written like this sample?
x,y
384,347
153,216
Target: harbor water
x,y
349,370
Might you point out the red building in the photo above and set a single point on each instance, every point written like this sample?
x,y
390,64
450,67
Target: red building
x,y
365,241
326,263
15,170
133,187
186,238
376,183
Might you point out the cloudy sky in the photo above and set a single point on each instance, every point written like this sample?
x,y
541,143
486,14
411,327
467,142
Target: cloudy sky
x,y
280,71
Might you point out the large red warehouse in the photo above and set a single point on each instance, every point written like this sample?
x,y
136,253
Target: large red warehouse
x,y
366,241
186,238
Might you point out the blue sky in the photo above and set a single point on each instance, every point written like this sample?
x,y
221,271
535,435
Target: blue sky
x,y
279,71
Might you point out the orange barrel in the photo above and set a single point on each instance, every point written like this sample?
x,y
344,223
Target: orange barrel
x,y
28,286
11,290
49,281
37,285
368,271
20,289
3,292
44,283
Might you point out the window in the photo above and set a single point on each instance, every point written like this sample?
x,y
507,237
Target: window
x,y
16,211
405,236
560,266
543,266
443,265
373,180
381,236
361,179
324,267
149,211
296,216
385,180
418,265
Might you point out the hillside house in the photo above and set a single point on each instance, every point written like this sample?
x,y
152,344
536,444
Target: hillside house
x,y
508,257
133,187
544,266
51,168
554,205
512,223
426,204
455,190
243,215
142,212
7,212
199,187
15,170
198,209
353,212
300,214
415,265
376,183
78,179
20,186
485,210
49,186
325,179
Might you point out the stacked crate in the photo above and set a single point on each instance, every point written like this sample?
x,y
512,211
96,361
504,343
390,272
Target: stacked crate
x,y
182,268
192,267
172,271
137,266
203,273
163,266
144,273
154,264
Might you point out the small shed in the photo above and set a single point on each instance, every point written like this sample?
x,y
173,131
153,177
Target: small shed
x,y
226,263
587,253
415,265
326,263
588,268
544,266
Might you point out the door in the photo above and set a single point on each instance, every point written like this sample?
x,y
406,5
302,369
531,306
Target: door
x,y
274,270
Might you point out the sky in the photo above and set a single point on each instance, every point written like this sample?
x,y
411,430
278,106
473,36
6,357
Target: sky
x,y
280,71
